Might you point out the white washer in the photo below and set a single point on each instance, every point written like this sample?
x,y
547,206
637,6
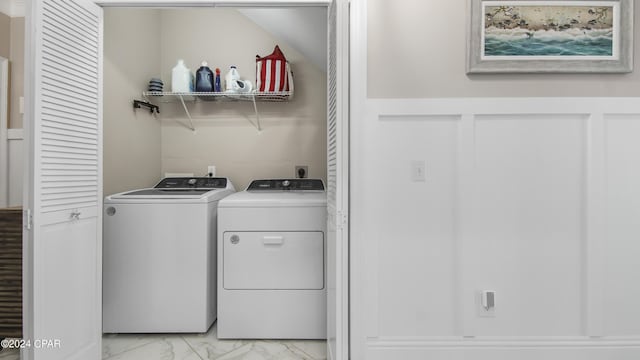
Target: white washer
x,y
159,256
271,261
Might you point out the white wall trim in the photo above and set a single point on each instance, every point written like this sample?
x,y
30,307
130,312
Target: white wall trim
x,y
624,348
15,151
530,350
357,108
501,106
4,145
15,134
496,342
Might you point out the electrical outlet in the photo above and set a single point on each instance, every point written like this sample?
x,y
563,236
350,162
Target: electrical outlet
x,y
486,303
301,172
211,170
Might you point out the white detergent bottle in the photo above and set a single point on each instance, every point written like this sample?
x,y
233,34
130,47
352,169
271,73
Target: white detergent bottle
x,y
181,78
231,78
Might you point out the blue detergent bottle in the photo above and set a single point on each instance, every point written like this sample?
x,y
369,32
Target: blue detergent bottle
x,y
204,79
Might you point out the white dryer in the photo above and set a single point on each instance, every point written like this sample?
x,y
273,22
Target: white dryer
x,y
159,256
271,261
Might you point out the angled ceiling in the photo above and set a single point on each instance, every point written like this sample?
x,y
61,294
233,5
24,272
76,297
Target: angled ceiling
x,y
303,28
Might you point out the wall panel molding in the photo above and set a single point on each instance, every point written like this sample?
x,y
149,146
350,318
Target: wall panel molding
x,y
588,121
595,232
497,106
530,349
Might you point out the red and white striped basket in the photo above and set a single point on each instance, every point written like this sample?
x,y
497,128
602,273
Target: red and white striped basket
x,y
273,75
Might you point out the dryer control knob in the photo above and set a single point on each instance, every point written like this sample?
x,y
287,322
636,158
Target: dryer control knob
x,y
192,182
286,183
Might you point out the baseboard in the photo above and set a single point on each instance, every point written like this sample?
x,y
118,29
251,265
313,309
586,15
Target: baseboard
x,y
573,348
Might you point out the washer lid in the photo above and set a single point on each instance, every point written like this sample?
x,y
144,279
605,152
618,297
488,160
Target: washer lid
x,y
144,195
204,189
183,193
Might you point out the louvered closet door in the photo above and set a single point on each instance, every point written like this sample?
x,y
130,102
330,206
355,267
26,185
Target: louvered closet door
x,y
64,254
337,182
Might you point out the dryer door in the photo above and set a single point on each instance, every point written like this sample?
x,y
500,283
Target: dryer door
x,y
273,260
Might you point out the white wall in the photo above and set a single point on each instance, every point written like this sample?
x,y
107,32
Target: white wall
x,y
17,71
529,192
417,50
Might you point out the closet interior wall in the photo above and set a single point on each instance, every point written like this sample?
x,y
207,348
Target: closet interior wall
x,y
294,132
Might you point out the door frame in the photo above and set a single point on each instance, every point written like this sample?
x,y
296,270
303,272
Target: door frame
x,y
4,132
27,260
358,85
31,253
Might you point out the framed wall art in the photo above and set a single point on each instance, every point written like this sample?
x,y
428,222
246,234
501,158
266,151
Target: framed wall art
x,y
570,36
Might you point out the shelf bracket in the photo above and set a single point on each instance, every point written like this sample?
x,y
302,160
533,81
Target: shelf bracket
x,y
255,108
191,127
137,104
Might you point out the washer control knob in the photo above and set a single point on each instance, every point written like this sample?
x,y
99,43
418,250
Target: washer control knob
x,y
286,183
192,182
235,239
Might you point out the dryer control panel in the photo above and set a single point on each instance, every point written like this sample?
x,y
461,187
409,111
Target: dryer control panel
x,y
192,183
286,184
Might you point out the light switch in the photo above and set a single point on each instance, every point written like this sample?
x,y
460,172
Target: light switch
x,y
21,105
418,171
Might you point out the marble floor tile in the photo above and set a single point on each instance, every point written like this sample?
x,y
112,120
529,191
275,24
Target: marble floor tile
x,y
264,350
114,344
10,354
209,347
206,347
315,349
168,348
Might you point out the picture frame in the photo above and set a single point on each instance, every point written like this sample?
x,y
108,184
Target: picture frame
x,y
549,36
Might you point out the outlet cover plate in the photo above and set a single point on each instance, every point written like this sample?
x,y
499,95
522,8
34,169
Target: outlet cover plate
x,y
303,167
484,298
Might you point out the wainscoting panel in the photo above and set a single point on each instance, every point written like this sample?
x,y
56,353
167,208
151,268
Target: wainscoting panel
x,y
528,219
536,200
622,250
422,250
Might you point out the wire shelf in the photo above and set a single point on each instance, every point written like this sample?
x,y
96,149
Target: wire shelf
x,y
192,97
279,96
